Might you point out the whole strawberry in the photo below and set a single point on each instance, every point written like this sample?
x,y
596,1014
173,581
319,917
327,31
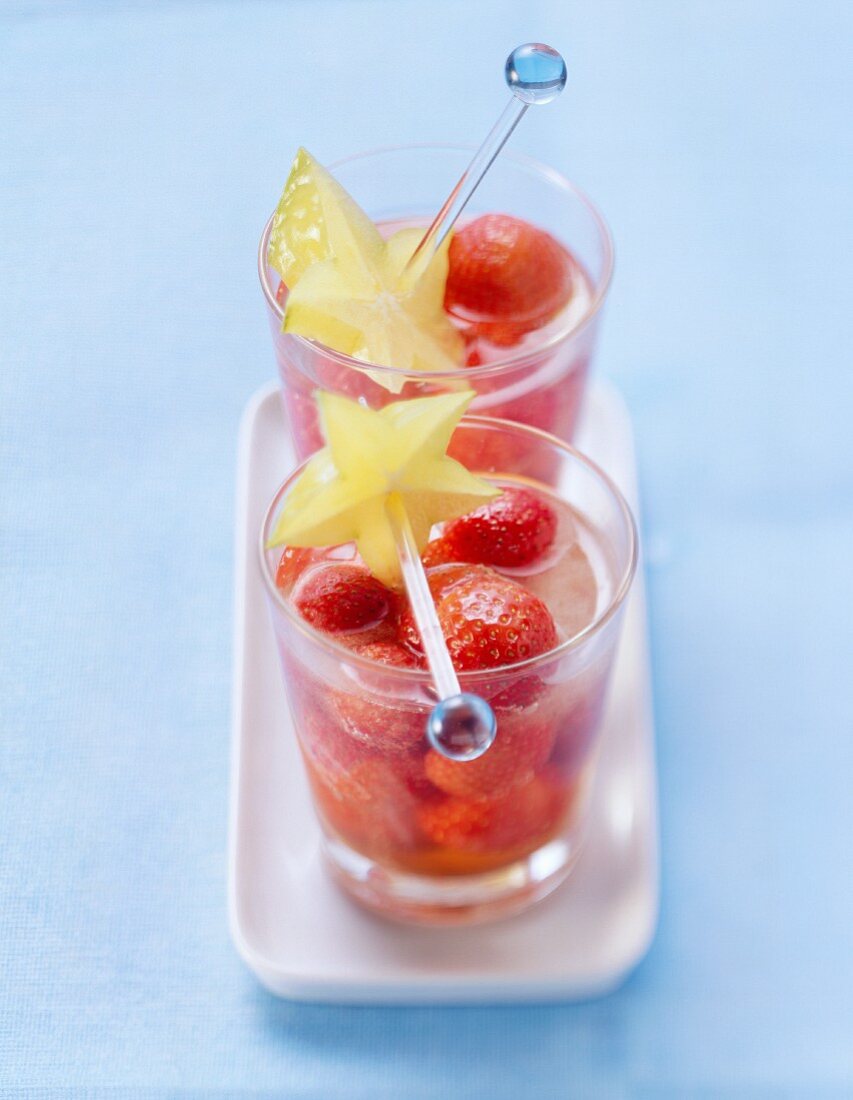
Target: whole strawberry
x,y
372,808
510,531
507,272
380,721
440,579
341,598
387,650
520,820
329,750
490,621
522,746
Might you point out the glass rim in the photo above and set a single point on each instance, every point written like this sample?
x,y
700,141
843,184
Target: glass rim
x,y
521,160
472,677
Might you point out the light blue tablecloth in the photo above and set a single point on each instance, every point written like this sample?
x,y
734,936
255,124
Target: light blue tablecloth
x,y
141,149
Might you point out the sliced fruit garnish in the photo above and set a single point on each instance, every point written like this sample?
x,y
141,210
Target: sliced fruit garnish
x,y
342,494
347,286
316,220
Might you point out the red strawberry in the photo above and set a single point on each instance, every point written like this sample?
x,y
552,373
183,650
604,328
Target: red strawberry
x,y
503,334
523,818
520,749
437,552
371,714
380,722
328,749
388,652
517,694
440,579
578,724
443,577
490,621
503,269
549,408
341,598
372,808
510,531
410,768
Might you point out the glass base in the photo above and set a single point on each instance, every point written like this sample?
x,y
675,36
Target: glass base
x,y
466,899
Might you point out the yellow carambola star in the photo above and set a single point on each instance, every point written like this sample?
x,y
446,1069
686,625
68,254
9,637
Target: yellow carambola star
x,y
343,492
349,288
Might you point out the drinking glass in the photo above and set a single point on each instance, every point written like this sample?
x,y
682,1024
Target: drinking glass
x,y
541,383
397,842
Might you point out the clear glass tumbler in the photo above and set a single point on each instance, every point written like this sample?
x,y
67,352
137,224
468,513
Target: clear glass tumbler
x,y
541,383
395,840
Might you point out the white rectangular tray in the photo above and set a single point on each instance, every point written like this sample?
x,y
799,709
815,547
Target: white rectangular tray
x,y
303,938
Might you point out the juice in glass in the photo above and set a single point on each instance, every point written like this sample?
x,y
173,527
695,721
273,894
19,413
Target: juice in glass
x,y
537,377
530,601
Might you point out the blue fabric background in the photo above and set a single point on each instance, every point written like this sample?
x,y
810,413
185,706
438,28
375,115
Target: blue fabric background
x,y
142,146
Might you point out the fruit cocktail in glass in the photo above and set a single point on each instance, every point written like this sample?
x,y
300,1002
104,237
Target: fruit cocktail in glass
x,y
512,308
529,588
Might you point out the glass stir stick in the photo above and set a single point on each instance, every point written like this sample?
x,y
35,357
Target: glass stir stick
x,y
462,726
535,73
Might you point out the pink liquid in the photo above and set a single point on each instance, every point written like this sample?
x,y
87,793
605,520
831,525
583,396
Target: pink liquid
x,y
545,389
380,788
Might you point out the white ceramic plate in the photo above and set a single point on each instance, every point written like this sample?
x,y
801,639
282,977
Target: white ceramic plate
x,y
302,937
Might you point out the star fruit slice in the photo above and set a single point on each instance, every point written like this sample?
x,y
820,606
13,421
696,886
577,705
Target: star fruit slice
x,y
347,287
343,492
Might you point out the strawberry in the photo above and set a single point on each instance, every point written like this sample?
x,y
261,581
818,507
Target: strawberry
x,y
505,270
518,693
549,408
380,722
582,705
490,621
372,808
510,531
410,768
437,552
333,747
520,820
328,749
486,451
342,598
387,651
444,577
381,634
373,717
440,579
521,747
502,334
